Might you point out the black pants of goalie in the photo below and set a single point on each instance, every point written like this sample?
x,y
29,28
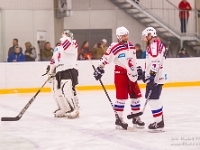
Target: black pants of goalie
x,y
68,74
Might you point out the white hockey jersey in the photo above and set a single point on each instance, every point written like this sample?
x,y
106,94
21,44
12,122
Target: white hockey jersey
x,y
65,55
155,61
123,55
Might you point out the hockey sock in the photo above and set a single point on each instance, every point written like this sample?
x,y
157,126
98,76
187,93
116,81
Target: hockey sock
x,y
135,106
119,107
156,109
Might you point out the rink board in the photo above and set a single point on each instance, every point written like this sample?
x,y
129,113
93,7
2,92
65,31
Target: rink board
x,y
83,88
26,77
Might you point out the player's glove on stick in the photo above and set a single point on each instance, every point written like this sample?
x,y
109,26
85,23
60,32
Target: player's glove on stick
x,y
150,81
140,72
98,73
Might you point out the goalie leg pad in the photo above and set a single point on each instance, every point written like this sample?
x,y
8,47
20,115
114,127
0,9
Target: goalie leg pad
x,y
63,106
55,94
68,96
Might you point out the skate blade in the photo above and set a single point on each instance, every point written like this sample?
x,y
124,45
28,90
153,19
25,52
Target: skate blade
x,y
119,128
156,130
138,127
131,129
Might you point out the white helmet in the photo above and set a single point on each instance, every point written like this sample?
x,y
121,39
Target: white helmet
x,y
149,30
121,31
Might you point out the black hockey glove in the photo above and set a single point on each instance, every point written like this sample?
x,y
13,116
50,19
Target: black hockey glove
x,y
140,73
98,73
150,81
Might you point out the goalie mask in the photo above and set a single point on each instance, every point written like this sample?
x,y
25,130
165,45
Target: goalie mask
x,y
68,33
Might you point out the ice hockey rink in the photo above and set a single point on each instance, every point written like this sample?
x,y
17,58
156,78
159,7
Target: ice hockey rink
x,y
95,129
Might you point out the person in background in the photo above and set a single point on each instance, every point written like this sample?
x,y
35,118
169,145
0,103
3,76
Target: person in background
x,y
103,45
144,55
16,56
84,51
12,49
184,7
30,52
99,49
138,51
47,52
183,53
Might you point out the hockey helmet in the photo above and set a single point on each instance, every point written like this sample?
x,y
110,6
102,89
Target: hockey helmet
x,y
149,30
121,31
69,33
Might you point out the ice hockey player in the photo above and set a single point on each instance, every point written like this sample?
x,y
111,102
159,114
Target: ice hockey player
x,y
123,55
154,75
66,76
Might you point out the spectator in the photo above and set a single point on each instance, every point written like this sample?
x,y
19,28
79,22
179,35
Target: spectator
x,y
47,52
103,45
12,49
184,7
98,50
144,54
81,57
183,53
16,56
84,51
138,51
30,52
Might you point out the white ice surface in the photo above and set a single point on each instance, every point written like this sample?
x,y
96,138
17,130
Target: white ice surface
x,y
95,129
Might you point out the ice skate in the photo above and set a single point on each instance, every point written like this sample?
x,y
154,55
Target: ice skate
x,y
119,125
138,123
157,127
58,113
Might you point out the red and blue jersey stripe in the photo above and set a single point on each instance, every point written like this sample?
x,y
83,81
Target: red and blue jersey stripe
x,y
66,44
52,61
120,47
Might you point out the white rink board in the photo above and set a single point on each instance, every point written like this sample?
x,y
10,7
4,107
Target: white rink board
x,y
28,74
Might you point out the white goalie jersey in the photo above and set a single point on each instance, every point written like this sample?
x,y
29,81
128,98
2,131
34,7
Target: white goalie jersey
x,y
65,55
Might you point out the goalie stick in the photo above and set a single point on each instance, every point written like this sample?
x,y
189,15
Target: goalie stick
x,y
116,115
18,117
149,94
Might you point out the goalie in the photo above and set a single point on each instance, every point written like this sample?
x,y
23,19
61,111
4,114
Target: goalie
x,y
64,73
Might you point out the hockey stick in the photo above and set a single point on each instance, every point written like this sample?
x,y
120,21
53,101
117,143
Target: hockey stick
x,y
116,115
27,105
47,70
149,94
25,108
